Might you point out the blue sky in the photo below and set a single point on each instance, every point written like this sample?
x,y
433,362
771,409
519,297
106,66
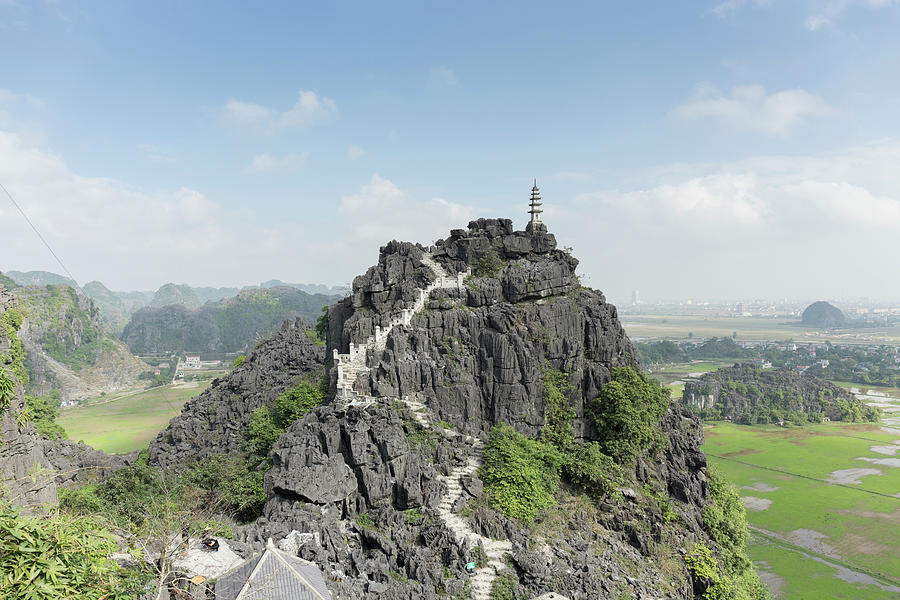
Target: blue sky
x,y
734,149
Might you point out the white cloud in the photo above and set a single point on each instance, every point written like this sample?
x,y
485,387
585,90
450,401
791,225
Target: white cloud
x,y
245,113
309,108
266,163
816,22
750,108
355,152
443,77
381,211
803,227
106,229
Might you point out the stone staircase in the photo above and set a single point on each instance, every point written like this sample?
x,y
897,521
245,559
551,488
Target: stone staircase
x,y
354,363
494,550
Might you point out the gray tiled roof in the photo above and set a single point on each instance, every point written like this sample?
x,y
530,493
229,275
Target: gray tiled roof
x,y
274,575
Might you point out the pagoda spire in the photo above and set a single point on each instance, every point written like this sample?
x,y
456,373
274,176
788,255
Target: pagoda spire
x,y
535,210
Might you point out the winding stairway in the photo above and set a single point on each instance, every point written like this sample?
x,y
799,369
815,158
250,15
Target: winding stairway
x,y
354,363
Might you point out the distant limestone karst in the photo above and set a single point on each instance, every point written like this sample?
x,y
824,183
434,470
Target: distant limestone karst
x,y
823,315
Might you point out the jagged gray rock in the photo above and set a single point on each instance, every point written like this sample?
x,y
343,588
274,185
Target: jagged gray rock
x,y
215,421
25,473
385,495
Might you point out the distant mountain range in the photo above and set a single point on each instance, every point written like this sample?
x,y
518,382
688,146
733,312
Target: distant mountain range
x,y
116,308
230,325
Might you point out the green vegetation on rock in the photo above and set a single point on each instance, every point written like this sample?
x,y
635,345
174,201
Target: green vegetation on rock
x,y
268,423
520,475
627,413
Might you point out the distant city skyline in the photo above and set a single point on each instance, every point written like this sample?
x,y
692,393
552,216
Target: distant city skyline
x,y
721,149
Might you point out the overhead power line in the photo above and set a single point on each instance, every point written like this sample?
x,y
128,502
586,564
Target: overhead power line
x,y
38,233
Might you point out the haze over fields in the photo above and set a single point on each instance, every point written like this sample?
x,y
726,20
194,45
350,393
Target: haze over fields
x,y
160,142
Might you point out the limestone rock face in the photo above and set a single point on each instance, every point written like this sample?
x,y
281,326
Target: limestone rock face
x,y
381,490
215,421
476,356
25,472
355,457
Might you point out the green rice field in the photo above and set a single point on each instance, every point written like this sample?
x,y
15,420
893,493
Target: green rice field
x,y
128,422
822,502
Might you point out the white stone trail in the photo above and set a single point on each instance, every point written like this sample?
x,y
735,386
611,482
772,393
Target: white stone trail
x,y
494,550
353,364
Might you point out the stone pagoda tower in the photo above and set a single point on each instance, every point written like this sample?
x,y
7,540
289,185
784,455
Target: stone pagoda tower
x,y
535,211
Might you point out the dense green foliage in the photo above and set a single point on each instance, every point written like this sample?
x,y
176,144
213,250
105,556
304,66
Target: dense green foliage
x,y
72,331
488,265
520,475
753,396
60,556
560,412
43,411
725,520
14,359
235,482
7,390
322,325
7,282
627,413
240,360
667,352
268,423
589,468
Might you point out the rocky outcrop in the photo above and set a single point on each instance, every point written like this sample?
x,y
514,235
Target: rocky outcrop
x,y
823,315
69,349
215,421
77,464
475,356
747,394
379,486
25,473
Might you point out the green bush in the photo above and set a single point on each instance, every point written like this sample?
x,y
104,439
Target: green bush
x,y
234,484
59,556
704,568
7,389
239,361
520,475
597,473
559,413
44,410
488,265
267,424
14,360
262,433
295,403
725,520
627,413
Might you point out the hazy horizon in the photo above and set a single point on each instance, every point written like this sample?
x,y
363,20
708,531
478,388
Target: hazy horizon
x,y
736,149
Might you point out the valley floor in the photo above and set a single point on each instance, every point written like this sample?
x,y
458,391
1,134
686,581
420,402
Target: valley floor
x,y
822,502
127,421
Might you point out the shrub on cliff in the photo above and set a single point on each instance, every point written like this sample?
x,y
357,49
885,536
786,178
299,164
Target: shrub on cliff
x,y
627,413
520,475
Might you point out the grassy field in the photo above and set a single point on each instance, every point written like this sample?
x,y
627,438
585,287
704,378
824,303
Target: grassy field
x,y
125,423
748,328
823,531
